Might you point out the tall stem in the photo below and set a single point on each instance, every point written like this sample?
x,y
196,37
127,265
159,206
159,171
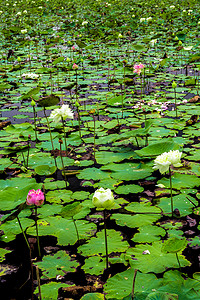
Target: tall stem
x,y
175,103
76,229
31,264
178,261
36,225
170,180
38,280
34,113
20,225
64,135
60,141
50,137
106,242
94,137
133,287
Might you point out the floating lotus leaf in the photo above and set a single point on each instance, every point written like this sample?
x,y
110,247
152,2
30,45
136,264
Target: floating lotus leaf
x,y
63,229
45,170
154,260
58,264
96,245
144,283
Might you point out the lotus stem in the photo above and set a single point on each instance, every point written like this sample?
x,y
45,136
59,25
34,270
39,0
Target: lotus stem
x,y
60,142
175,103
20,225
29,137
34,114
50,137
178,261
38,280
170,180
36,225
31,264
64,135
133,287
106,242
76,229
94,136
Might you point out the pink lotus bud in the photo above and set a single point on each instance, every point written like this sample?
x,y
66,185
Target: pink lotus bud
x,y
138,68
73,48
74,67
35,197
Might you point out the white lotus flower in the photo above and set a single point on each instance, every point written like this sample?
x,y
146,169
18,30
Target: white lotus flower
x,y
153,42
103,198
166,159
30,75
142,20
84,23
174,157
23,31
61,113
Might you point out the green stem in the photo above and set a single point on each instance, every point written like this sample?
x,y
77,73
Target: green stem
x,y
133,287
50,136
175,103
23,159
28,153
94,137
64,135
38,280
122,102
31,264
170,180
20,225
79,123
76,229
34,113
60,141
36,225
106,242
178,261
137,142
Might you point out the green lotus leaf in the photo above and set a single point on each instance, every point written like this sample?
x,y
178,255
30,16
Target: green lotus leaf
x,y
93,296
63,229
3,253
129,189
187,289
158,148
136,220
144,283
96,245
184,203
105,157
149,234
181,181
174,245
59,196
45,170
154,260
57,264
49,290
92,173
12,228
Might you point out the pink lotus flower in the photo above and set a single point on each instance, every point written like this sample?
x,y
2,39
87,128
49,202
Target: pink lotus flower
x,y
73,48
138,68
74,67
35,198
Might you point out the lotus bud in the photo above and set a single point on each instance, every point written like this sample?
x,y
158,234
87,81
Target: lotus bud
x,y
33,103
174,85
103,198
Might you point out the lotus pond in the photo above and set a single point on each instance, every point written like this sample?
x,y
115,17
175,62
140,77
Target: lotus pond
x,y
92,95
